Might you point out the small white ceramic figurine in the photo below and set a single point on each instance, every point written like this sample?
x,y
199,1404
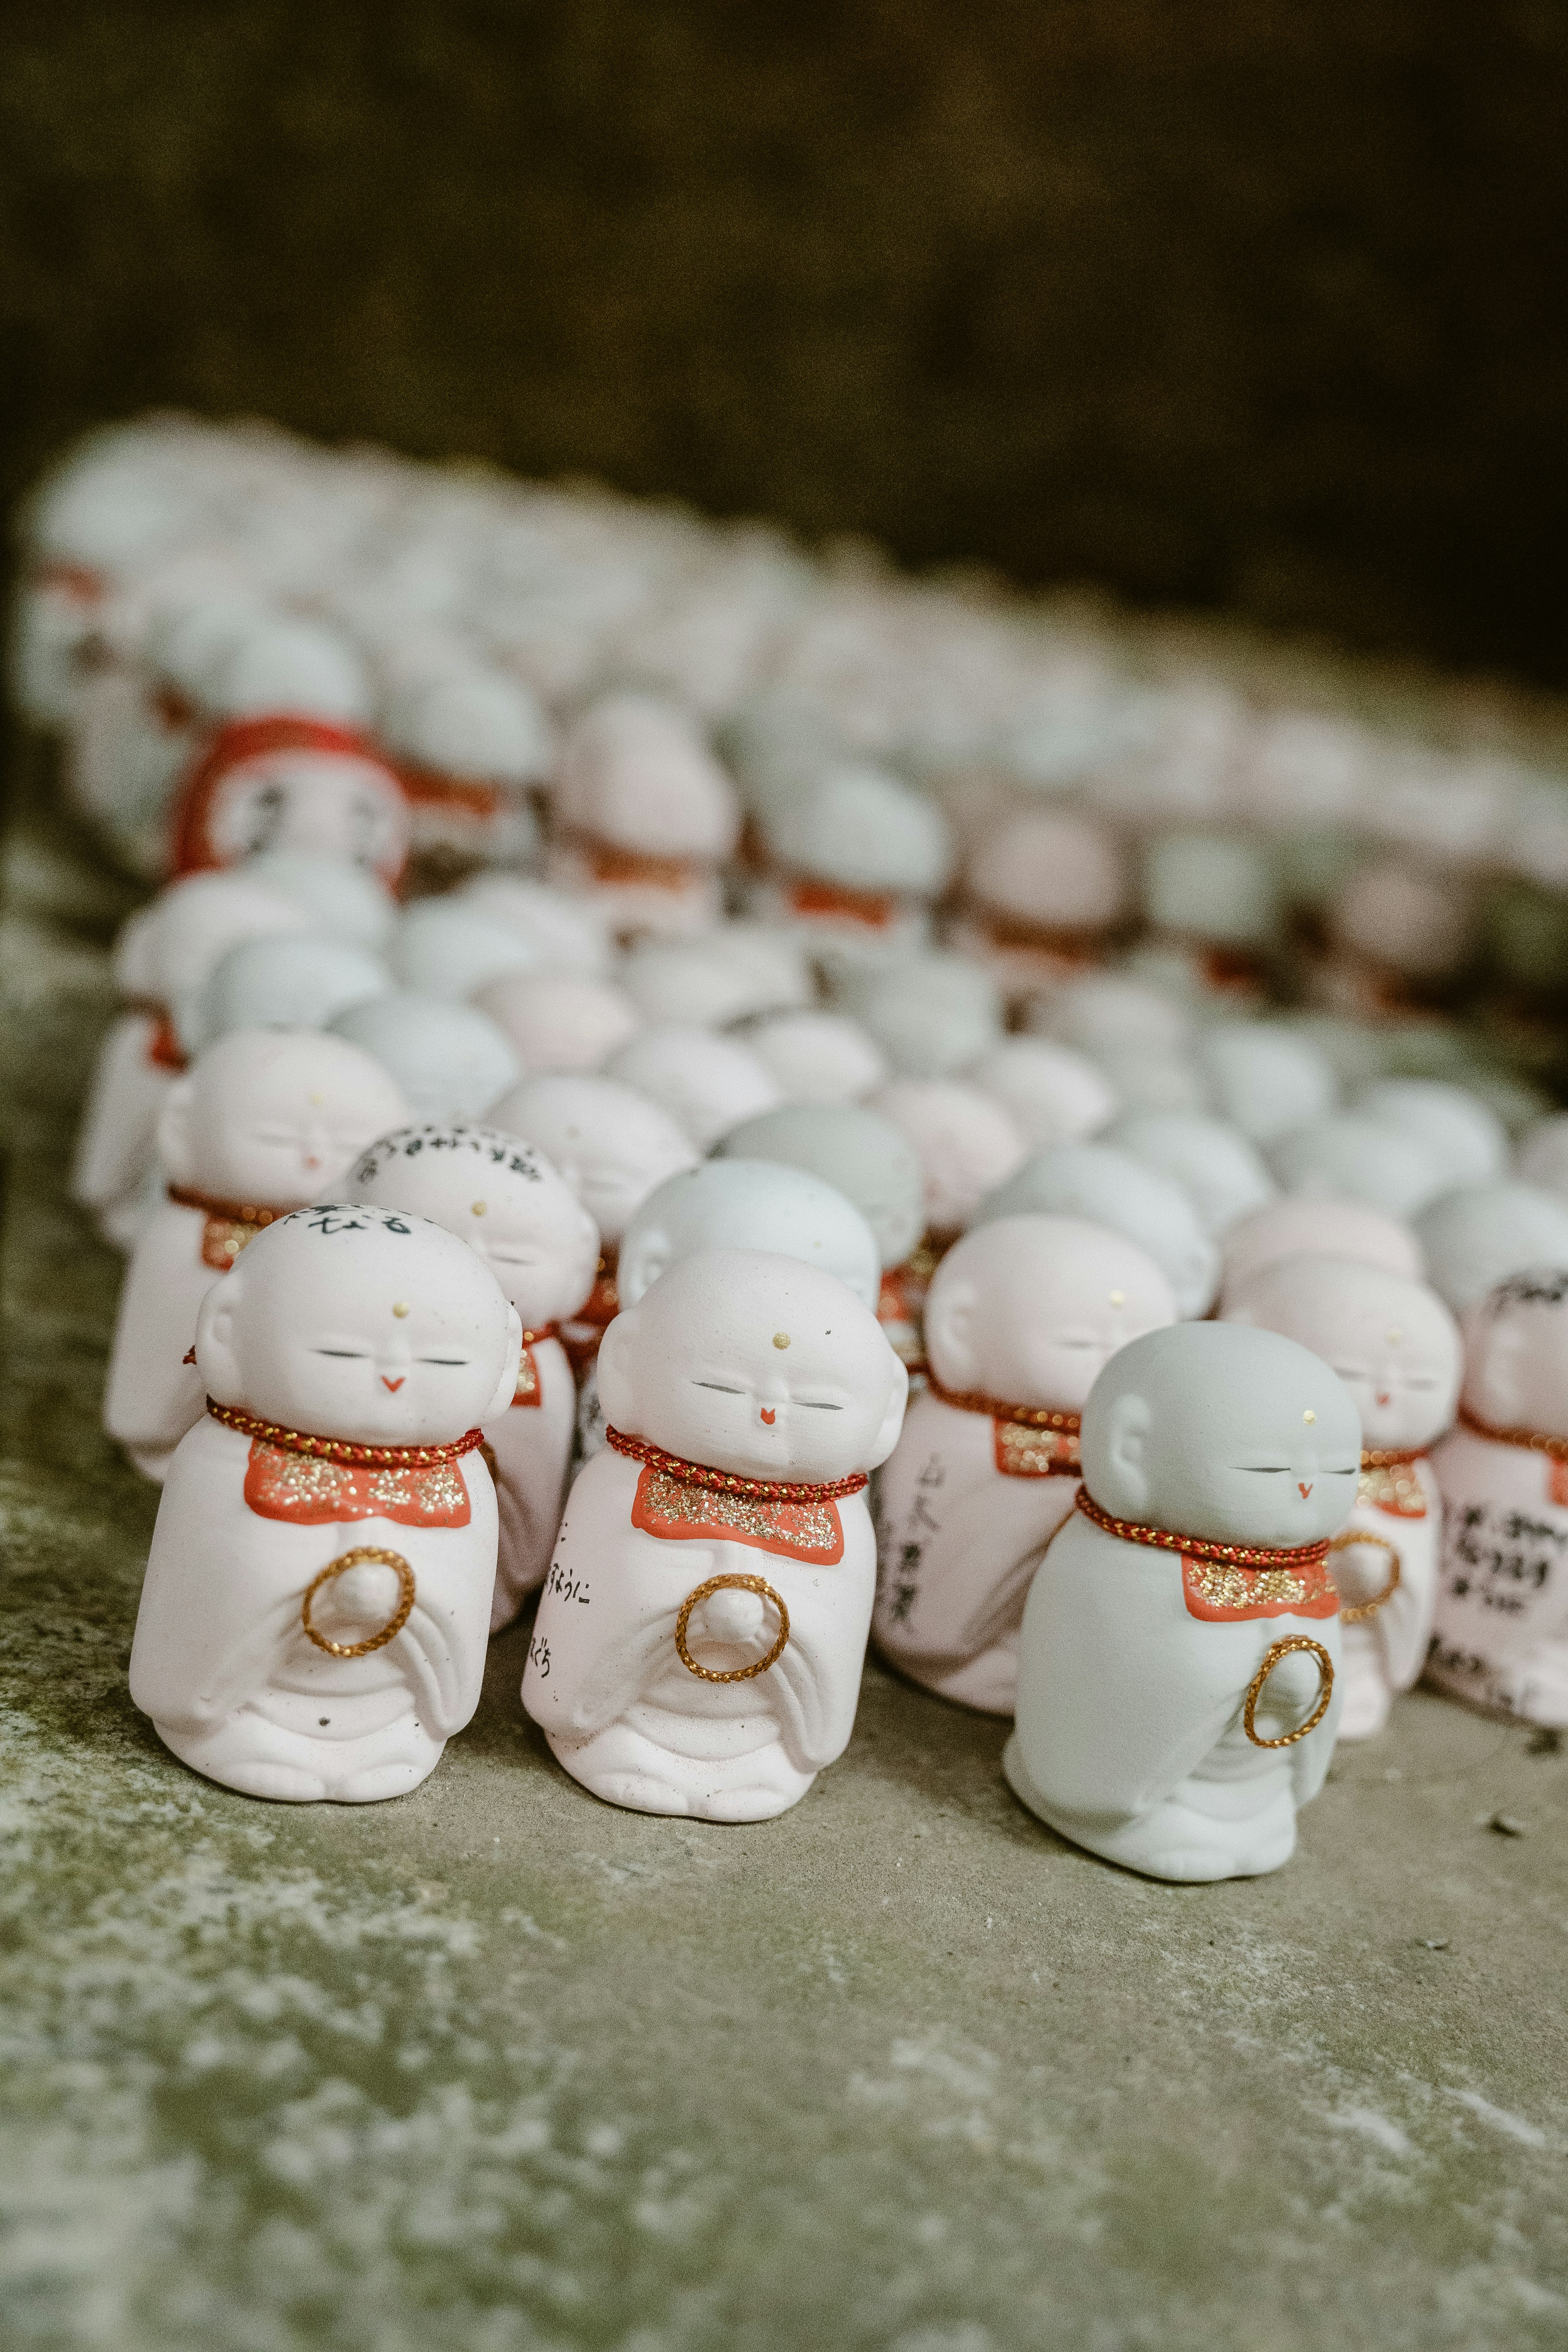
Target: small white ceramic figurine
x,y
1396,933
450,1060
1213,907
1055,1093
450,946
818,1057
162,959
859,858
614,1147
526,1223
558,1021
468,741
1213,1161
283,783
1021,1318
932,1015
738,1204
1467,1139
1267,1079
292,980
1296,1225
1111,1188
313,1620
870,1161
1502,1637
1045,889
1477,1235
700,1641
1396,1347
1177,1702
644,817
706,1083
1353,1156
264,1120
967,1143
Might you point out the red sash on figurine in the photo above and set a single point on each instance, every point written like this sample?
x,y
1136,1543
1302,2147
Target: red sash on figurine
x,y
1388,1481
1028,1441
581,1333
316,1481
244,740
530,1387
428,788
1537,1441
811,895
1223,1583
230,1224
615,863
686,1502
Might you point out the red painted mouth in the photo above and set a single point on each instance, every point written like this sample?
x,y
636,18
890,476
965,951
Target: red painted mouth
x,y
769,1414
1302,1490
393,1385
1381,1398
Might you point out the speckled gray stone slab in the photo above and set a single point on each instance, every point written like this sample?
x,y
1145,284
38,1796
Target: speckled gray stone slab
x,y
496,2067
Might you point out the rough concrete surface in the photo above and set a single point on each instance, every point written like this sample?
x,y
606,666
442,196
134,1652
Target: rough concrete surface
x,y
494,2066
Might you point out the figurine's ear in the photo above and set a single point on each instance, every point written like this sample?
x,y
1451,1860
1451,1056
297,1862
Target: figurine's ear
x,y
174,1132
950,1334
1497,1389
506,1387
886,1437
640,1268
616,1388
217,1358
1126,1448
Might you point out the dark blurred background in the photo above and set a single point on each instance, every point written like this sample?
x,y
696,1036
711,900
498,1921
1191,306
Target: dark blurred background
x,y
1218,302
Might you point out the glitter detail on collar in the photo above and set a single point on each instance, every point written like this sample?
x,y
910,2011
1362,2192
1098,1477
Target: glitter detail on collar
x,y
1225,1585
229,1225
722,1482
1222,1555
529,1388
343,1449
1029,1441
1536,1440
1389,1483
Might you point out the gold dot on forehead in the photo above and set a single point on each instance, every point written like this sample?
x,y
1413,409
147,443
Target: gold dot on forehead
x,y
318,1096
1119,1298
479,1209
400,1307
781,1339
1309,1415
1395,1336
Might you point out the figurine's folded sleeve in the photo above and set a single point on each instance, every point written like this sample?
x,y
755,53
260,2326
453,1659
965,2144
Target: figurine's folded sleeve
x,y
1122,1692
221,1601
605,1630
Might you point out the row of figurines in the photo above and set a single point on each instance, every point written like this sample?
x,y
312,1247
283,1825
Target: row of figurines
x,y
292,650
1185,1554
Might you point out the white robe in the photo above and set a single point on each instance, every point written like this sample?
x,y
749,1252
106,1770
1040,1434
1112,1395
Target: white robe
x,y
532,1447
1128,1702
603,1655
218,1633
1501,1638
958,1544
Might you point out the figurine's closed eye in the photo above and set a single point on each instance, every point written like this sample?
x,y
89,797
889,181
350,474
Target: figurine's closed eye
x,y
457,1361
724,1386
349,1355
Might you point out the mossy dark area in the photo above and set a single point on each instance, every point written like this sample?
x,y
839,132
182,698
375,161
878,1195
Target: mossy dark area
x,y
495,2068
1242,306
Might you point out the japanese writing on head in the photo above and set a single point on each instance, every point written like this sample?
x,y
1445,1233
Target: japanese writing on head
x,y
1536,1285
488,1144
331,1218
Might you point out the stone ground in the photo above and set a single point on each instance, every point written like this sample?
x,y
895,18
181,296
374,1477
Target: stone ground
x,y
496,2067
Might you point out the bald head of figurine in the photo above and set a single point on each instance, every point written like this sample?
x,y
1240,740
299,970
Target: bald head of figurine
x,y
274,1115
755,1364
1516,1353
515,1212
1031,1309
358,1323
1210,1429
1391,1341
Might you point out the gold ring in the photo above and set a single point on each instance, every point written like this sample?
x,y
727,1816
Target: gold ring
x,y
395,1623
1365,1609
1271,1658
738,1584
